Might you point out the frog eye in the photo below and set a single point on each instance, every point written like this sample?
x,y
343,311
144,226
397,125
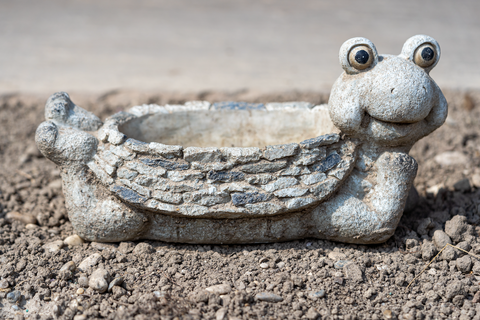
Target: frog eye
x,y
360,57
425,55
422,50
357,55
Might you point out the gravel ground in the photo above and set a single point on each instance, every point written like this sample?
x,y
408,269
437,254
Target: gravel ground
x,y
46,272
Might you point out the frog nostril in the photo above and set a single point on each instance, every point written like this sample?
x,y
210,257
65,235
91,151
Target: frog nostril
x,y
391,91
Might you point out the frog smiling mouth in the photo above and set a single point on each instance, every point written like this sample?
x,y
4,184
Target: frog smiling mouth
x,y
393,132
395,129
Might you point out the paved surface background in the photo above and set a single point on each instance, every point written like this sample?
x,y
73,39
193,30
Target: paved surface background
x,y
93,46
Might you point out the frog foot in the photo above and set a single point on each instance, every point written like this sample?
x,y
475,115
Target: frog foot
x,y
62,137
60,110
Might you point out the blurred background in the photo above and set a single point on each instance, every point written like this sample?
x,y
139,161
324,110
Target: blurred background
x,y
94,46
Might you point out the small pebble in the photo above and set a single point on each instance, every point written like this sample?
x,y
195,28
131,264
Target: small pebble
x,y
476,298
143,248
4,284
428,250
340,264
462,185
312,314
80,291
14,296
434,190
219,289
269,297
15,307
221,313
457,228
281,264
464,264
31,226
73,241
104,246
22,217
387,314
476,180
118,292
451,158
369,293
83,281
316,295
349,300
449,254
115,282
159,294
56,310
264,265
440,239
99,280
337,255
353,272
80,317
54,246
70,265
338,280
89,262
54,231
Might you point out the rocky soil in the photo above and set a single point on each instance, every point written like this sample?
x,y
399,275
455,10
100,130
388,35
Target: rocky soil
x,y
46,272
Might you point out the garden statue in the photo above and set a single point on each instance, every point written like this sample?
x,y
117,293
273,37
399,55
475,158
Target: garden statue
x,y
236,172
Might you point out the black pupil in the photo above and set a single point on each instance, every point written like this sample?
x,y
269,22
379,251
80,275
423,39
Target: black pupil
x,y
362,56
427,54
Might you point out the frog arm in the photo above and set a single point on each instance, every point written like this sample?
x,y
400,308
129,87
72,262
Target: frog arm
x,y
371,218
395,175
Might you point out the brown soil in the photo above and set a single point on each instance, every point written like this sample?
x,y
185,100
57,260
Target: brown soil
x,y
167,281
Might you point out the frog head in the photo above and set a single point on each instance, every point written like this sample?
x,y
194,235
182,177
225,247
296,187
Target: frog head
x,y
388,100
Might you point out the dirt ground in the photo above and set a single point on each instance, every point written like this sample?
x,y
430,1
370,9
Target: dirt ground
x,y
314,279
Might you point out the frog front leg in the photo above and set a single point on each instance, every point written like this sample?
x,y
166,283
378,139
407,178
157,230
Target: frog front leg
x,y
369,217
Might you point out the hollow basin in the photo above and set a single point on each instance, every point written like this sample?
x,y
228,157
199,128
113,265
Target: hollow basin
x,y
233,124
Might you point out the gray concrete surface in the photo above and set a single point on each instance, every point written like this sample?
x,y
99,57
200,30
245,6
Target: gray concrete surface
x,y
93,46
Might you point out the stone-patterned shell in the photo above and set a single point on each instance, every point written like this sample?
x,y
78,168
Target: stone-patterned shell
x,y
223,182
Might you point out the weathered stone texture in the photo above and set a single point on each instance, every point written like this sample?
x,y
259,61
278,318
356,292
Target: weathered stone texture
x,y
166,164
330,162
313,178
202,154
168,197
263,167
280,151
225,176
239,199
241,155
324,140
280,183
165,150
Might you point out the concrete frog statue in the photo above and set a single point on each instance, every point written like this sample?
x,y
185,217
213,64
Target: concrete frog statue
x,y
122,183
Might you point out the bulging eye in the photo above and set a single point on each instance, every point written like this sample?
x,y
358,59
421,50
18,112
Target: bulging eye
x,y
425,55
360,57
